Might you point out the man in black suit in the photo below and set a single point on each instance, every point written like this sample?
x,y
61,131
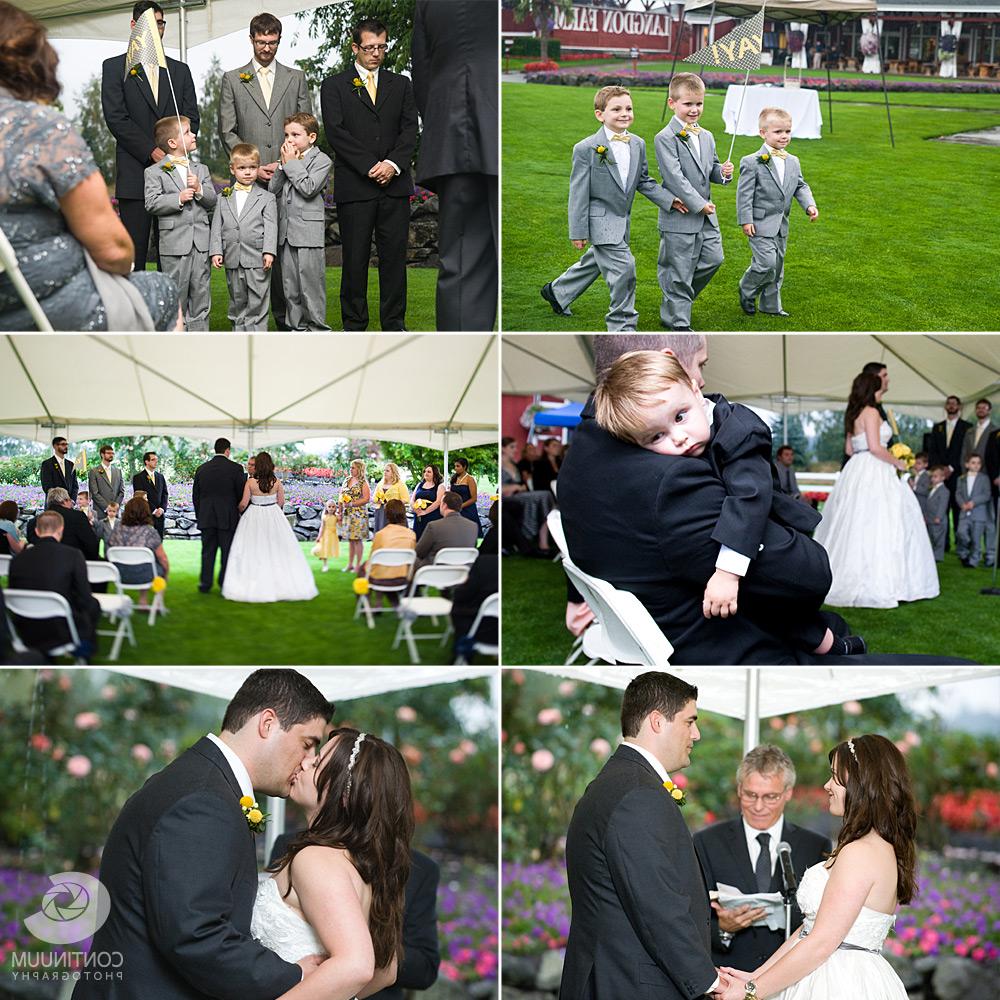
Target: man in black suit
x,y
743,853
454,51
48,565
216,494
944,447
58,470
370,122
154,485
640,915
421,953
132,106
180,865
77,531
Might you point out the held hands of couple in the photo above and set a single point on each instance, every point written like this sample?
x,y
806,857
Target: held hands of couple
x,y
720,594
310,964
731,983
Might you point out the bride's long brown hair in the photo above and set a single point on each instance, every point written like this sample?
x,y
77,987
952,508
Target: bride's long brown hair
x,y
263,469
367,811
863,391
878,795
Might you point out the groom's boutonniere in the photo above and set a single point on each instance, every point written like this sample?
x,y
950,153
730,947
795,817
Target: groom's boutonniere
x,y
246,77
602,153
256,819
358,84
675,793
136,72
763,158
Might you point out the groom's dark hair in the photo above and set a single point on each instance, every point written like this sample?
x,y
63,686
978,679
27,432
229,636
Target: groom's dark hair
x,y
222,445
293,697
874,367
653,692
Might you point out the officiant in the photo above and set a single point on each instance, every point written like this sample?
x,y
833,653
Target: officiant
x,y
743,853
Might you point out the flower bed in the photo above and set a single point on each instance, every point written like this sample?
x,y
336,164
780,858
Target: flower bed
x,y
467,925
535,908
976,810
541,67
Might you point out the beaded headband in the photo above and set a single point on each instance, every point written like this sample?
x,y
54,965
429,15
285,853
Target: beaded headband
x,y
854,754
354,756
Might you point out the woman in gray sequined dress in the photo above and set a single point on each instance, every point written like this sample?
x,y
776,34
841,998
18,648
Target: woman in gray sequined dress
x,y
54,203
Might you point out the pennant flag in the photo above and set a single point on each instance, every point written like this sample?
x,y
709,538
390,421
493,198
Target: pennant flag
x,y
740,49
144,45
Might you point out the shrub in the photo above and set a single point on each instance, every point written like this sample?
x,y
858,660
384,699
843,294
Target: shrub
x,y
541,67
21,470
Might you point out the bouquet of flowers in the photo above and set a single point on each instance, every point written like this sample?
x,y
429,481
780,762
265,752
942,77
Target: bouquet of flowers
x,y
421,504
869,43
903,451
379,495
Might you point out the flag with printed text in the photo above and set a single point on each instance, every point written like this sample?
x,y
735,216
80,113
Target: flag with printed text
x,y
740,49
144,45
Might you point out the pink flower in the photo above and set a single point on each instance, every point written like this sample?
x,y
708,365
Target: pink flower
x,y
566,688
406,714
411,754
992,770
600,746
815,745
979,954
542,760
911,738
679,780
456,756
87,720
168,748
517,676
78,766
142,753
549,717
518,747
776,724
41,742
108,692
852,707
65,683
467,747
58,753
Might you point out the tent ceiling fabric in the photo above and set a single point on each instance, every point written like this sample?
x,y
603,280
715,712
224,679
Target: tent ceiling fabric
x,y
336,683
923,368
405,388
108,19
809,11
723,689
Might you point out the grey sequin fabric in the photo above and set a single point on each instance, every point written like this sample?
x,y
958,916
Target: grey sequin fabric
x,y
42,157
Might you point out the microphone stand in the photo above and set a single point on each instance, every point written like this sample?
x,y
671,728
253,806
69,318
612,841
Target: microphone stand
x,y
789,884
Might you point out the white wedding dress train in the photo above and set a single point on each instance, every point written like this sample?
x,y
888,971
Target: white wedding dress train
x,y
874,533
266,563
856,969
281,929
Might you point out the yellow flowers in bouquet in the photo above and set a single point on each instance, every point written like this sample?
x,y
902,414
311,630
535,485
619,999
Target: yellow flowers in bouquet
x,y
345,498
903,451
421,504
379,495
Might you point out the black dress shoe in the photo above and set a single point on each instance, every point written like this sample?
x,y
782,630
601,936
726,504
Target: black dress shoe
x,y
848,645
967,565
550,297
204,590
748,305
780,312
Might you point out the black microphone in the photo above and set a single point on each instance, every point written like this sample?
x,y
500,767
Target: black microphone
x,y
788,878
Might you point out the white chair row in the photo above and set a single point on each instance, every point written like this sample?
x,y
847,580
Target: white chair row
x,y
38,605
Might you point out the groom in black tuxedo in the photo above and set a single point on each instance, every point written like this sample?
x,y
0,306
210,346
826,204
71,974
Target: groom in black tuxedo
x,y
216,494
154,485
58,470
640,915
370,121
180,865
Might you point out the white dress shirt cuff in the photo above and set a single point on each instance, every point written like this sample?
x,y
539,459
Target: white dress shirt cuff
x,y
732,561
394,167
713,986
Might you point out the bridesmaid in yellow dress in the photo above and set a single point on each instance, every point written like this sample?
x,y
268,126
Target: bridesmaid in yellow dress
x,y
390,488
327,543
356,515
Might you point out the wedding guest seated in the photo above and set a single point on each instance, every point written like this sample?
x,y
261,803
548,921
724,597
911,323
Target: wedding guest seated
x,y
103,526
48,565
784,459
452,531
395,535
490,545
10,538
525,510
526,464
73,250
546,469
8,656
77,532
483,580
136,529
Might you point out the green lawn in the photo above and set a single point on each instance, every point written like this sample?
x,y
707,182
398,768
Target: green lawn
x,y
960,622
903,241
207,629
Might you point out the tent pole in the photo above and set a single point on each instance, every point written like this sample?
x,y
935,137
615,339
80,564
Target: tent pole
x,y
444,464
673,65
885,90
711,25
784,389
275,824
751,717
182,34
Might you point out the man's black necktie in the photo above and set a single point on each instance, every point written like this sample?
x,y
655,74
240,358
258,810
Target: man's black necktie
x,y
763,868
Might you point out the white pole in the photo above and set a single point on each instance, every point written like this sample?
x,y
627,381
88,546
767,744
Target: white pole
x,y
275,824
751,717
444,470
743,94
182,22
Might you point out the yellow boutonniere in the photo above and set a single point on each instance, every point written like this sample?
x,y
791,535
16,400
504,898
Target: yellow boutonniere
x,y
256,819
226,192
683,135
764,157
167,166
675,793
246,77
602,153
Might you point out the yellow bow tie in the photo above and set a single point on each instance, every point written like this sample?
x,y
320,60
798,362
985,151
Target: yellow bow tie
x,y
242,187
181,161
781,154
620,138
693,128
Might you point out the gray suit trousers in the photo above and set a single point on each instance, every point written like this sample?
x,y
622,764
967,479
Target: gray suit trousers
x,y
303,279
685,265
972,535
938,534
617,266
191,274
766,271
249,297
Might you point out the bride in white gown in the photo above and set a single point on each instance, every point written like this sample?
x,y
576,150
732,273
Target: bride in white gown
x,y
266,563
848,903
338,891
873,529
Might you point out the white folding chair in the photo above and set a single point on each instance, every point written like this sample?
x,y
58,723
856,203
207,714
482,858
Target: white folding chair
x,y
5,559
9,264
399,558
42,604
456,556
117,606
421,605
139,555
490,608
556,533
628,632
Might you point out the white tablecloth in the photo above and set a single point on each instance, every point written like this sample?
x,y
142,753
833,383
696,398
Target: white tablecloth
x,y
801,103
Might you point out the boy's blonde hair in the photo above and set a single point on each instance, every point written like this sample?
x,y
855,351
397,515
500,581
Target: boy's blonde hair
x,y
768,113
245,151
605,94
166,129
306,120
685,81
633,382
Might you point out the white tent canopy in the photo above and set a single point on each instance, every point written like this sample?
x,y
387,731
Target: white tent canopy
x,y
809,11
435,390
805,372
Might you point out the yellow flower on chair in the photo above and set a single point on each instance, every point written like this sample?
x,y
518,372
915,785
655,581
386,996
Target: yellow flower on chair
x,y
360,585
158,585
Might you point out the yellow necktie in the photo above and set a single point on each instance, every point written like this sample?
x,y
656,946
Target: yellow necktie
x,y
947,435
370,86
242,187
153,76
620,138
264,76
781,154
151,479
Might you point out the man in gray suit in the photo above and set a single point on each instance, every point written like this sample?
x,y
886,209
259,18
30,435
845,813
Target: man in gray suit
x,y
253,105
608,168
977,436
452,531
974,496
105,482
783,462
769,179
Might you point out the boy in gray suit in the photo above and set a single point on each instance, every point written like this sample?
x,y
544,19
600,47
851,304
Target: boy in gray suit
x,y
298,186
180,193
690,244
244,239
608,168
936,510
975,501
769,179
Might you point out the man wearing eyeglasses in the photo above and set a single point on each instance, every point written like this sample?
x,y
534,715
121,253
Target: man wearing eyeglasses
x,y
254,102
370,120
743,852
132,105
